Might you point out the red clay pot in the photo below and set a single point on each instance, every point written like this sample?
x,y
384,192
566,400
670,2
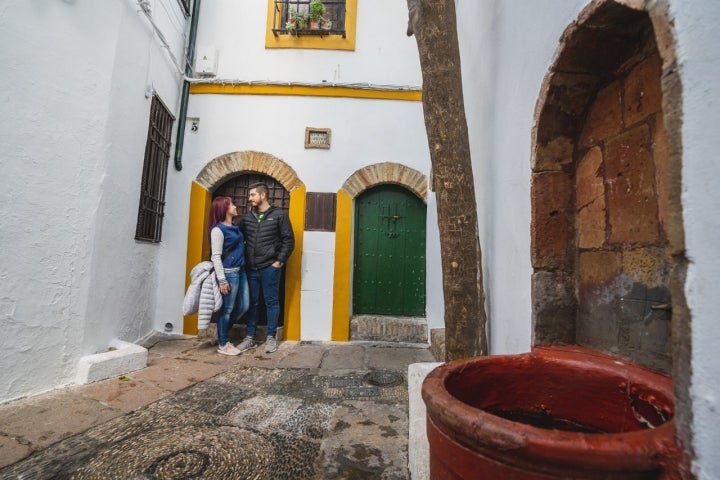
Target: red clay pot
x,y
554,413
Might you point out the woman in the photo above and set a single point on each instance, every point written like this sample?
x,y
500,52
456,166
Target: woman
x,y
227,247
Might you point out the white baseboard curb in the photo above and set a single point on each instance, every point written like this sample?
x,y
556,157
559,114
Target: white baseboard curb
x,y
121,358
418,448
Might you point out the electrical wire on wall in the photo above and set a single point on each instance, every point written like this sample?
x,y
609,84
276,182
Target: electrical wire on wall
x,y
146,9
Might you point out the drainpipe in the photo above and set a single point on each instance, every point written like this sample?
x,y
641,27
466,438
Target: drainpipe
x,y
190,60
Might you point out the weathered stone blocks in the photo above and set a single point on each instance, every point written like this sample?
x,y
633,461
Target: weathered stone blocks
x,y
605,116
554,308
550,228
590,200
389,329
643,95
630,175
597,268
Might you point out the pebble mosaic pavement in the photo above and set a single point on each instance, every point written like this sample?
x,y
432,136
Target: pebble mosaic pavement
x,y
247,423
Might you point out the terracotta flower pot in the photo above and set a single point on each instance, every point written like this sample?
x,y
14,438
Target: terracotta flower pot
x,y
557,412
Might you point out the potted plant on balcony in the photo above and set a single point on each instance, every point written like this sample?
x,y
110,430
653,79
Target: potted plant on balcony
x,y
317,10
296,21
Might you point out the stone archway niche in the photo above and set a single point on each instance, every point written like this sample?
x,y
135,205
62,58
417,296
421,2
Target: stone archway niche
x,y
607,240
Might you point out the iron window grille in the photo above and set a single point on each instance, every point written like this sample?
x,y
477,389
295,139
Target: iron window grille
x,y
284,10
154,176
238,189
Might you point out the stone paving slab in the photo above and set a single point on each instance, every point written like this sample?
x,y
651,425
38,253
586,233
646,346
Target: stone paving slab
x,y
11,451
46,419
286,415
175,374
308,356
393,358
350,357
125,393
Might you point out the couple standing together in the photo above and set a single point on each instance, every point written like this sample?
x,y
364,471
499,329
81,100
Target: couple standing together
x,y
248,258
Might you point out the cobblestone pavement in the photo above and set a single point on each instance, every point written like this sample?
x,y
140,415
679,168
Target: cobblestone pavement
x,y
308,411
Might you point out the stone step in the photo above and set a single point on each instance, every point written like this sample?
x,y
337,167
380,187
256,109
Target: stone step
x,y
389,329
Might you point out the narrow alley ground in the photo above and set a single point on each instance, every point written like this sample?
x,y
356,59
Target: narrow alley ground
x,y
308,411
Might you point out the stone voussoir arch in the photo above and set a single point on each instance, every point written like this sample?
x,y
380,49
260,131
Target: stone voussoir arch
x,y
363,179
221,168
383,173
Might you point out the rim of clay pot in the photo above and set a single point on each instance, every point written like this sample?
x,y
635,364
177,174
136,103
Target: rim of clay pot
x,y
500,438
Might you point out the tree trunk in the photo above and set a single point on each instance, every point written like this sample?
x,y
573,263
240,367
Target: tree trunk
x,y
434,25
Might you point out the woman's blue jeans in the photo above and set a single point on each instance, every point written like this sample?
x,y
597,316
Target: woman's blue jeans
x,y
267,279
235,303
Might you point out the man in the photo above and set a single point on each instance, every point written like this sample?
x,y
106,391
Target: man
x,y
269,240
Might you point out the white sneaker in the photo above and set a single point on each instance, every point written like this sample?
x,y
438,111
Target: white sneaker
x,y
270,345
228,349
247,344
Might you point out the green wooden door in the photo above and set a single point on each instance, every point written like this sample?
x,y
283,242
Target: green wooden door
x,y
389,270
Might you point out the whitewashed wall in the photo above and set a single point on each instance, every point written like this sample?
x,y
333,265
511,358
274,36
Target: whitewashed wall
x,y
502,74
383,54
364,132
699,58
72,277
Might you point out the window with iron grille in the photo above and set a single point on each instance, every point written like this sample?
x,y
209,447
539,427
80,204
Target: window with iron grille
x,y
185,4
295,17
238,189
154,176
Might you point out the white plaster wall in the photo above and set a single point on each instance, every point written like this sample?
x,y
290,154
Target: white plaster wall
x,y
383,54
121,265
364,132
73,83
318,263
435,306
699,59
502,75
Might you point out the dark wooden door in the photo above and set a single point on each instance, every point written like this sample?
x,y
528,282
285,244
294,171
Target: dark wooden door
x,y
389,269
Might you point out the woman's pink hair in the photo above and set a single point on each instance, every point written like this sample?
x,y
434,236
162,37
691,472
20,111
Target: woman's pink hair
x,y
218,210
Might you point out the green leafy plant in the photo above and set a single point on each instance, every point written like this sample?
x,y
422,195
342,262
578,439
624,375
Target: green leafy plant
x,y
317,10
296,21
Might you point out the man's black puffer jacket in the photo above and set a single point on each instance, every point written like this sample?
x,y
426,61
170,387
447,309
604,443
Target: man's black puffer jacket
x,y
268,240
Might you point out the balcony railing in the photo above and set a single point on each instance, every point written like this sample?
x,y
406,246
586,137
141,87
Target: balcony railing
x,y
292,17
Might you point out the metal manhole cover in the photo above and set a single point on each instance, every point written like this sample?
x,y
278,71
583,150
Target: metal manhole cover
x,y
360,392
382,378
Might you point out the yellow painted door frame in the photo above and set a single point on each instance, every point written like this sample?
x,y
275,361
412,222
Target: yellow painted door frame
x,y
198,249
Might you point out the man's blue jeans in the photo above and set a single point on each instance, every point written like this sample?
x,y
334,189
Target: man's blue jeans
x,y
235,303
267,279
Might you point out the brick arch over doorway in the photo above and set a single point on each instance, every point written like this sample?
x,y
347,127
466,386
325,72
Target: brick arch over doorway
x,y
607,241
214,174
358,182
